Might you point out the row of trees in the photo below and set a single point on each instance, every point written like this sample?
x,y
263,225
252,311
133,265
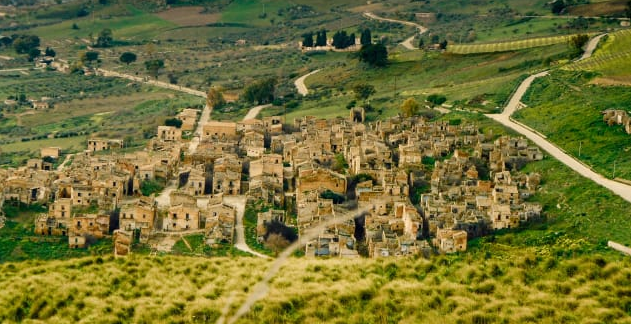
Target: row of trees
x,y
320,40
341,39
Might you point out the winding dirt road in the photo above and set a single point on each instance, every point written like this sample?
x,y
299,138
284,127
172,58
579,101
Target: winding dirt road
x,y
505,119
255,111
591,46
300,83
408,42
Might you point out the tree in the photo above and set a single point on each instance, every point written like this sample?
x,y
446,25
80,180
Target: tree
x,y
261,92
421,44
321,38
172,78
627,10
6,41
579,41
127,58
33,53
410,107
50,52
366,37
436,99
175,122
214,98
363,91
341,40
277,227
88,56
276,243
154,66
376,55
23,44
558,6
105,38
443,44
307,39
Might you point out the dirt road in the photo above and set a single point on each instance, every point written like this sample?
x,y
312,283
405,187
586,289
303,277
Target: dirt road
x,y
300,83
255,111
408,42
591,46
505,119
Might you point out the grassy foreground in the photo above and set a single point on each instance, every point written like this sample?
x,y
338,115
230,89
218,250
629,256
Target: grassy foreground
x,y
514,286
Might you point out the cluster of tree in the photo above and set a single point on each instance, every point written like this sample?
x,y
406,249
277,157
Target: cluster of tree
x,y
578,41
278,235
411,107
24,44
627,10
436,99
261,92
154,66
559,6
320,40
363,91
337,198
215,98
105,38
175,122
342,40
375,55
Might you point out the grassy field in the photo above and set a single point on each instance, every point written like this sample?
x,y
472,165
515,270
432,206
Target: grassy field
x,y
510,286
131,24
479,82
566,108
507,46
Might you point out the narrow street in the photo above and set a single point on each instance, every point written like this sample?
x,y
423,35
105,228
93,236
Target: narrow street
x,y
239,203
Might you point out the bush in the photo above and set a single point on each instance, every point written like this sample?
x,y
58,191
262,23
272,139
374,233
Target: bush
x,y
148,187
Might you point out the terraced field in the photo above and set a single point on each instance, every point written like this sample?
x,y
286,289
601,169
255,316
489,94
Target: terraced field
x,y
507,46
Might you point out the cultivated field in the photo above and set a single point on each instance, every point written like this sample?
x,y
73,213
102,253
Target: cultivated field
x,y
189,16
599,8
506,46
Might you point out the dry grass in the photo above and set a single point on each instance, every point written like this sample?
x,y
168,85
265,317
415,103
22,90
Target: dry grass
x,y
367,8
91,105
519,288
189,16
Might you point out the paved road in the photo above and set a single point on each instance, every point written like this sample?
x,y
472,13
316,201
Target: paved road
x,y
505,119
591,46
255,111
300,83
239,203
408,42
